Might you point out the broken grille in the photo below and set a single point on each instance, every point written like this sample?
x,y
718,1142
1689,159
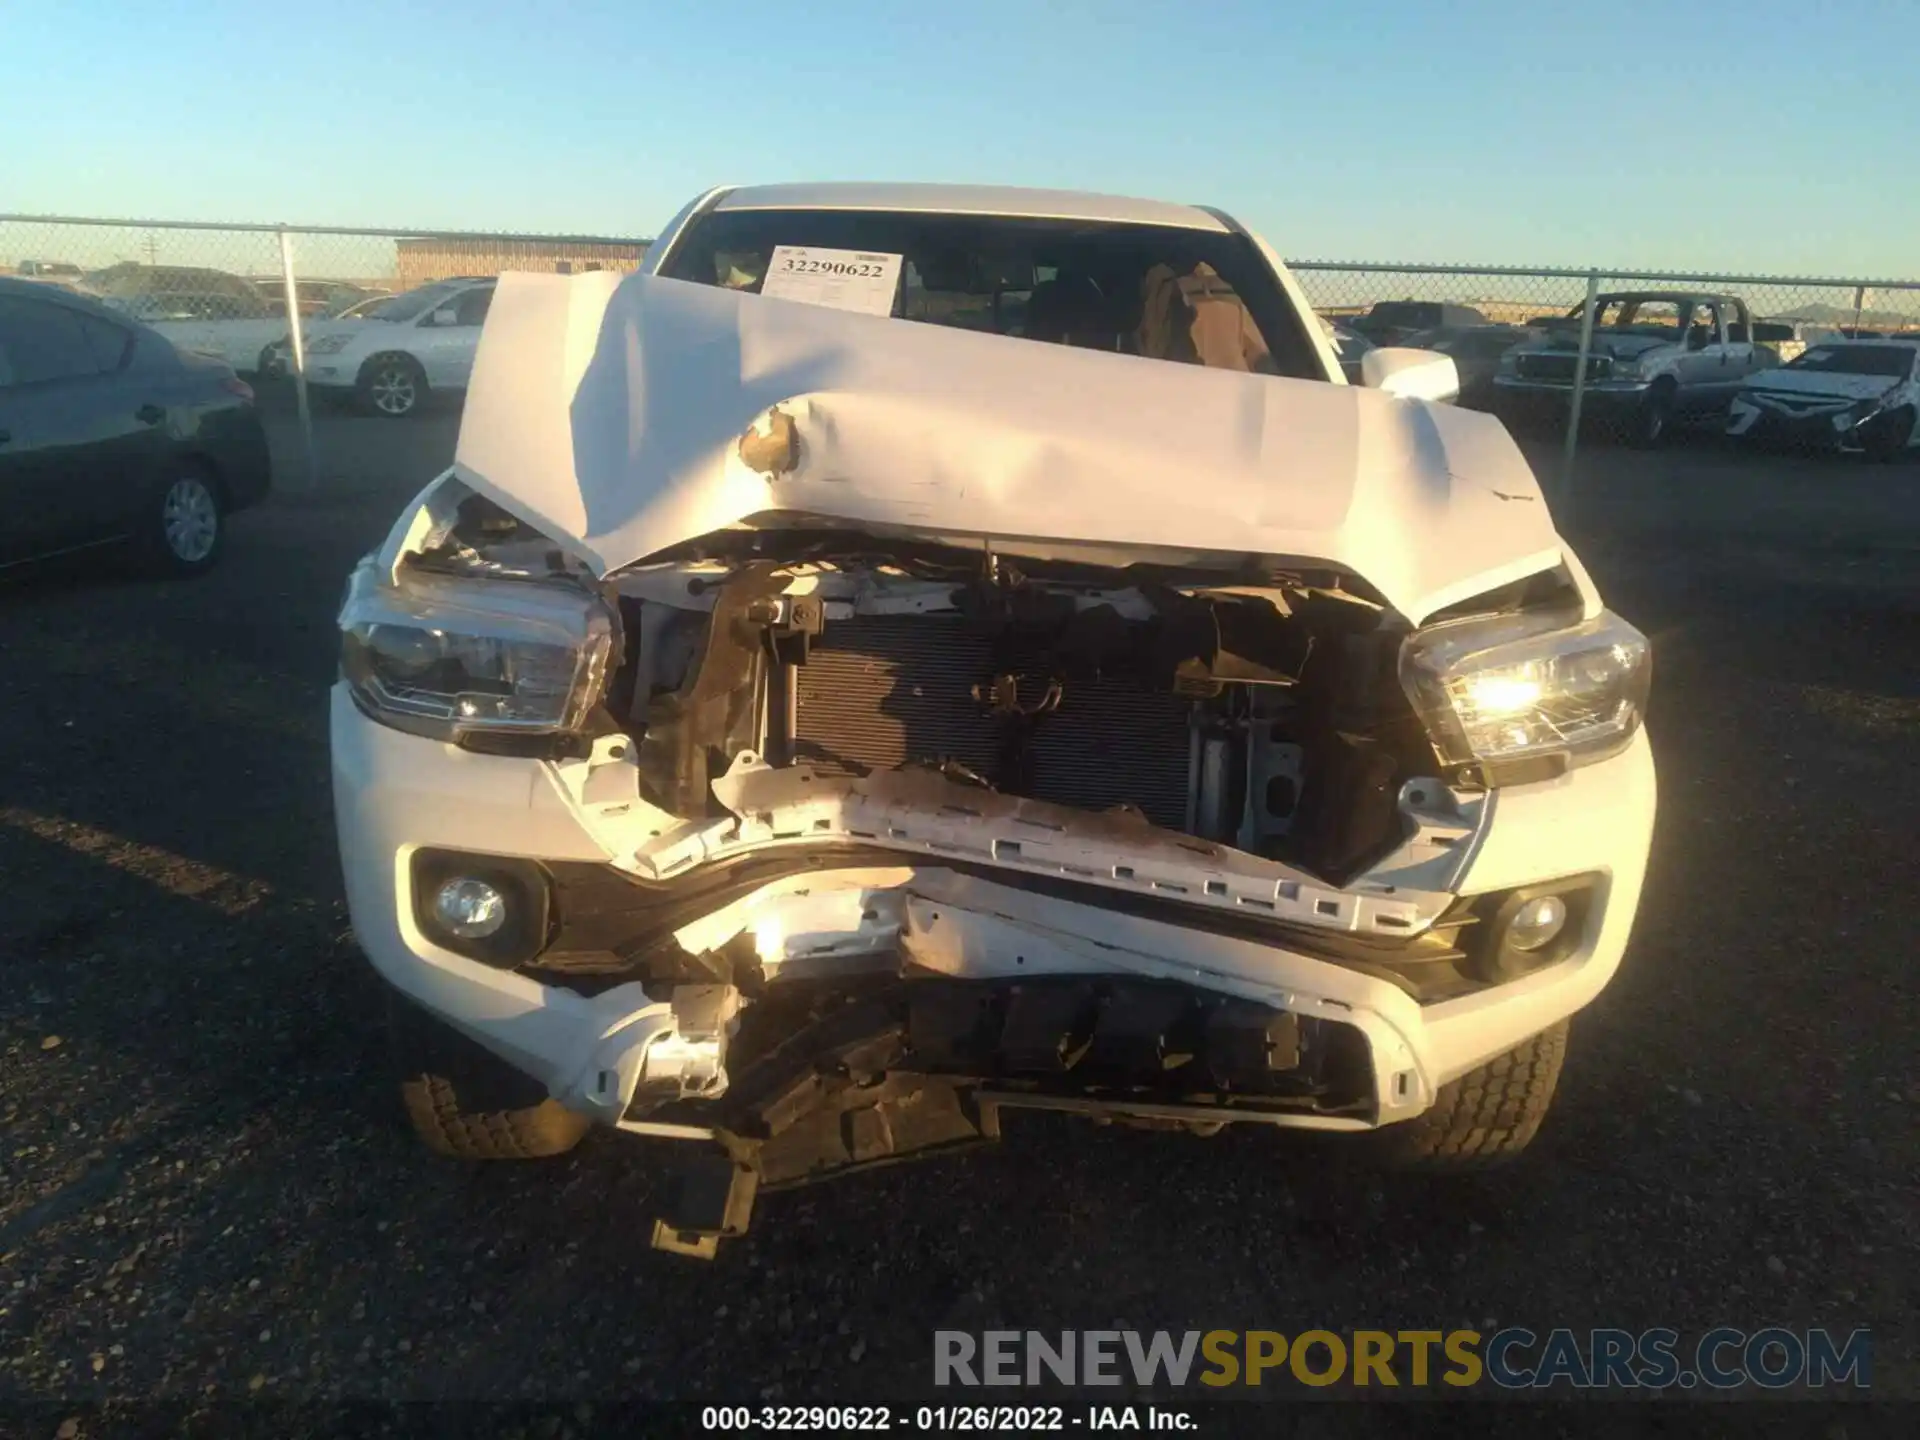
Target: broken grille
x,y
1559,367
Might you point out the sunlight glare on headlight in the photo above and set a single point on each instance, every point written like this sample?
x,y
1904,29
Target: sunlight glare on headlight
x,y
1491,695
1508,686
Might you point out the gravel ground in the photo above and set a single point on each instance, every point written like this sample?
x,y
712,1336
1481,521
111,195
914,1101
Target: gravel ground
x,y
206,1191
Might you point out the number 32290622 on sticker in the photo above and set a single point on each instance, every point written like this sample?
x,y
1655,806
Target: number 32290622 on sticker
x,y
840,279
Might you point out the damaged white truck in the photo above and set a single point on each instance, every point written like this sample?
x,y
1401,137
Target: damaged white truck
x,y
914,654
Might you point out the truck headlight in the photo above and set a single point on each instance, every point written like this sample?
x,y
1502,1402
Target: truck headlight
x,y
446,656
1527,688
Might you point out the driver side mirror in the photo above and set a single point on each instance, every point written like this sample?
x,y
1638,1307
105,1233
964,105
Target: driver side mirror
x,y
1410,374
443,316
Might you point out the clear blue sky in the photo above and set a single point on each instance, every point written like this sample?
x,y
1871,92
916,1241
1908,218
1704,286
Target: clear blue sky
x,y
1758,135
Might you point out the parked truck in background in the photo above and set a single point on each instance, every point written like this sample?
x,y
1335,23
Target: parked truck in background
x,y
1657,356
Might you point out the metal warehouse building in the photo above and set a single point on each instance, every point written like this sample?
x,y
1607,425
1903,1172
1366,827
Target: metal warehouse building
x,y
421,260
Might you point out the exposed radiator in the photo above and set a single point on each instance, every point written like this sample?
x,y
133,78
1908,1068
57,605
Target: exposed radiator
x,y
880,691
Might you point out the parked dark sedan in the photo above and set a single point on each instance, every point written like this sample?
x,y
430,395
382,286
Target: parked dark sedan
x,y
1476,352
110,435
1390,322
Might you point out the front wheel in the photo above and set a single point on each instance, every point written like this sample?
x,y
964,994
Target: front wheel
x,y
393,386
1653,421
182,534
1488,1115
465,1102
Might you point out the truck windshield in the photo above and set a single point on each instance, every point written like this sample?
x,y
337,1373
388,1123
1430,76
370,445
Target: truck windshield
x,y
1197,296
1894,360
1632,316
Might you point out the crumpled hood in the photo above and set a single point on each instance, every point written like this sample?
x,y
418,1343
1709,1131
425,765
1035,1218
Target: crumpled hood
x,y
609,411
1567,339
1831,383
1623,346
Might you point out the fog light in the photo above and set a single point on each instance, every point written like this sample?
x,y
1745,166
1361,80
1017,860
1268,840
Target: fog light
x,y
472,909
1537,922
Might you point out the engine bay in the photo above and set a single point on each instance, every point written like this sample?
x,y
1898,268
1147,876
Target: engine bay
x,y
1263,716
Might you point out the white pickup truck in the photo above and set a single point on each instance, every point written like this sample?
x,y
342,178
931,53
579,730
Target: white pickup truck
x,y
1657,356
915,654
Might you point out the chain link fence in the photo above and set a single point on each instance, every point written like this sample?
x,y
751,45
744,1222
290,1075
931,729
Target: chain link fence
x,y
1516,296
236,290
1789,314
167,264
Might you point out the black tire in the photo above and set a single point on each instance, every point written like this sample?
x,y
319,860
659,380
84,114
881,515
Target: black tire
x,y
392,386
1888,437
466,1102
1652,423
1487,1116
183,528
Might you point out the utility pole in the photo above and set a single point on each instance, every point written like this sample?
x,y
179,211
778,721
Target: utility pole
x,y
1564,509
297,348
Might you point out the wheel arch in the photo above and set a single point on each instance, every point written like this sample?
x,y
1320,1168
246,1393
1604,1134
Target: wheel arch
x,y
203,461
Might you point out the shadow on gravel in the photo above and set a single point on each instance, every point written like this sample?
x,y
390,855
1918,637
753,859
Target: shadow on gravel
x,y
239,797
171,717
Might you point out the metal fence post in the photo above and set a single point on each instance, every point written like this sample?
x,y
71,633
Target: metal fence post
x,y
296,345
1579,393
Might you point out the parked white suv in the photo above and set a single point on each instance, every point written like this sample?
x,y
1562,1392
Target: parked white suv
x,y
812,719
409,346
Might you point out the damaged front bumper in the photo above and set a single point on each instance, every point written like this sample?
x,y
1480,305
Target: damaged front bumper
x,y
833,1077
1804,422
856,972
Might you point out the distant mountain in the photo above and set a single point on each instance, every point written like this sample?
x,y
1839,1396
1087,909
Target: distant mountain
x,y
1821,312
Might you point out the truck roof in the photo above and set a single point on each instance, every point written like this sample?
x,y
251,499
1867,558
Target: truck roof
x,y
1679,297
971,200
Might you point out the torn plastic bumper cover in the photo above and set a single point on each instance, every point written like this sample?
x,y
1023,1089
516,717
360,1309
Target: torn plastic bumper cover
x,y
827,1078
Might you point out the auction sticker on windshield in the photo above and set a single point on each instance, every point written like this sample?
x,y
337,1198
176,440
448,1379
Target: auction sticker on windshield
x,y
844,279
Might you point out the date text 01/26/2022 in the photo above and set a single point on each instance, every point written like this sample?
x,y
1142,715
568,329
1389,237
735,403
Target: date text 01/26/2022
x,y
979,1419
